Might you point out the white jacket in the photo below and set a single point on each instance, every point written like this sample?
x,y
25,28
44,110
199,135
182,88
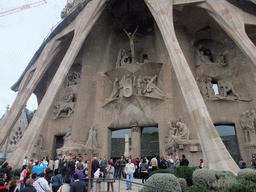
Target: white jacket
x,y
41,185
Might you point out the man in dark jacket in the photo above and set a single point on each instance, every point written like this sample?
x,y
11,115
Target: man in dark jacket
x,y
95,164
29,186
6,170
78,186
184,161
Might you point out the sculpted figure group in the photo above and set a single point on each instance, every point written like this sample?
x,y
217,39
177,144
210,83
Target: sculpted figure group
x,y
206,57
248,124
178,131
137,85
226,90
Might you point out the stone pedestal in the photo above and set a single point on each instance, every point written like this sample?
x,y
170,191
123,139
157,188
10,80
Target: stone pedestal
x,y
136,142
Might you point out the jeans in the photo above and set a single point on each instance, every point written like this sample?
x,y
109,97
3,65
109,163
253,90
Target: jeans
x,y
129,178
22,185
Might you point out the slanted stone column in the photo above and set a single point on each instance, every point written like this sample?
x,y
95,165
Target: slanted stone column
x,y
84,24
136,140
213,148
27,86
231,21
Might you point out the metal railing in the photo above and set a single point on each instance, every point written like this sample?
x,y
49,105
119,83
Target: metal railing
x,y
100,185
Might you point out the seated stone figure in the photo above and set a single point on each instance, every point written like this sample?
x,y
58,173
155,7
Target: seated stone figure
x,y
178,132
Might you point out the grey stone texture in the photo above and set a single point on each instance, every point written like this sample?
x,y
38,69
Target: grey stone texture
x,y
181,48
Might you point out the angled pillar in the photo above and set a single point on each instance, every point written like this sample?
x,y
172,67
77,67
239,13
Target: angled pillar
x,y
232,23
27,87
88,17
214,150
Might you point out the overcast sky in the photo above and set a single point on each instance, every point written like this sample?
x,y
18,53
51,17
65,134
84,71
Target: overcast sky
x,y
21,34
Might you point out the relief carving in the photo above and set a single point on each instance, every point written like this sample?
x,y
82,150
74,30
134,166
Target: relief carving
x,y
65,107
247,122
145,86
226,90
206,57
178,131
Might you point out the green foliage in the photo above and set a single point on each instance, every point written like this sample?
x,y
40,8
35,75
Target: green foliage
x,y
205,177
184,172
183,184
243,186
16,171
162,171
225,174
194,168
164,181
197,188
247,174
224,183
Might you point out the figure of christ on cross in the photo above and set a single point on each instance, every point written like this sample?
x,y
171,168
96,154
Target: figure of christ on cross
x,y
131,37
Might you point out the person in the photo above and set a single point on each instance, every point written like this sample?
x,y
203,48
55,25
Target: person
x,y
6,170
45,161
110,175
80,164
41,184
98,175
56,164
31,165
163,164
56,180
38,169
95,164
201,164
78,186
176,162
61,167
79,173
65,187
242,164
22,176
34,177
129,170
29,186
121,167
103,165
3,185
25,161
48,175
28,176
170,163
184,161
154,163
51,164
144,170
14,186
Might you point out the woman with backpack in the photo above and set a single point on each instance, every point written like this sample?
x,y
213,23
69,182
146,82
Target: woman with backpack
x,y
56,180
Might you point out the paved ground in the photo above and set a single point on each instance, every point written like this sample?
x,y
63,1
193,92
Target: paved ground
x,y
120,186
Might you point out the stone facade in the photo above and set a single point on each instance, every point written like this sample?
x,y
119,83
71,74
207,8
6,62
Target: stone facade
x,y
135,65
17,131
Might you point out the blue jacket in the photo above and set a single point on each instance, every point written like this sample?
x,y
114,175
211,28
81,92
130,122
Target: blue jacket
x,y
56,180
39,169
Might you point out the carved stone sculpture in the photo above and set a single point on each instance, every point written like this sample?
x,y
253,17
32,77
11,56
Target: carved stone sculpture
x,y
206,57
227,89
122,59
177,132
91,146
72,79
247,122
65,107
131,38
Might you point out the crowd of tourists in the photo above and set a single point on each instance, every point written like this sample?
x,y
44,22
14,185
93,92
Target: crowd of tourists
x,y
71,174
